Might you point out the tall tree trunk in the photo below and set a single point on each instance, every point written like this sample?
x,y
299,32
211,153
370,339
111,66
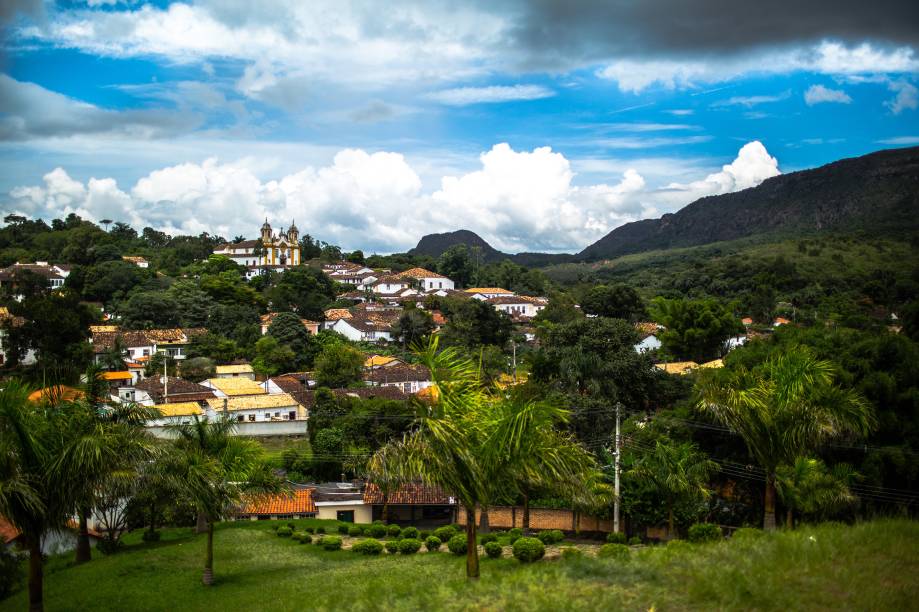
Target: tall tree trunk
x,y
526,511
208,578
671,533
769,504
385,507
789,519
152,518
36,575
483,520
84,554
472,549
201,526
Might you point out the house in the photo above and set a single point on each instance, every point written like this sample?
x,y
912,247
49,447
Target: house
x,y
747,321
258,408
267,319
779,321
54,274
232,387
239,370
9,320
268,252
394,285
140,345
408,378
120,384
298,504
366,326
178,412
426,280
485,293
157,390
56,393
518,305
677,367
53,542
412,504
345,268
342,501
714,363
735,341
381,361
138,261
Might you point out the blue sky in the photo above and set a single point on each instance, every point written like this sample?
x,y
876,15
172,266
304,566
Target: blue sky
x,y
540,125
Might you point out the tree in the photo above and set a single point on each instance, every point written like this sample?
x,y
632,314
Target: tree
x,y
677,471
413,326
56,326
218,469
695,329
150,310
271,357
783,410
809,487
339,366
355,257
111,279
454,263
197,369
473,323
304,291
615,302
287,328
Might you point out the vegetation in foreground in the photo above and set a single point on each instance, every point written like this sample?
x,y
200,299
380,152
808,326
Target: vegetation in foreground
x,y
831,566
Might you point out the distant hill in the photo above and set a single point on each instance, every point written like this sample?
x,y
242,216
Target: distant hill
x,y
433,245
877,193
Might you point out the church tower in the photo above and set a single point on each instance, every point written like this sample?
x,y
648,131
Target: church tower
x,y
266,233
293,234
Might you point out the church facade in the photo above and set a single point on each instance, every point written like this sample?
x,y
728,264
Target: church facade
x,y
271,251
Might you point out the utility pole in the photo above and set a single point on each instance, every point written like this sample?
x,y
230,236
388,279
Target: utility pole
x,y
514,344
165,379
618,452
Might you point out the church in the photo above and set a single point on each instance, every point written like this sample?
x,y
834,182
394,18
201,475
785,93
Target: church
x,y
269,252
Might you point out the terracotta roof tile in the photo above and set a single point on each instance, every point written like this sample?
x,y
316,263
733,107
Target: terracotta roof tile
x,y
407,494
298,502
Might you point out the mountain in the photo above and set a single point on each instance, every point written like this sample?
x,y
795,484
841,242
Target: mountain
x,y
434,245
878,192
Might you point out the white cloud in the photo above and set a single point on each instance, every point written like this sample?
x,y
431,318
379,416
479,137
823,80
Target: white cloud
x,y
462,96
751,101
517,200
907,97
818,94
900,141
680,112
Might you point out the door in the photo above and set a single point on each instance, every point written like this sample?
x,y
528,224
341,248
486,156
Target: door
x,y
346,516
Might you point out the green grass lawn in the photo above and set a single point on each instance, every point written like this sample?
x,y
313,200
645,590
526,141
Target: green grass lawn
x,y
871,566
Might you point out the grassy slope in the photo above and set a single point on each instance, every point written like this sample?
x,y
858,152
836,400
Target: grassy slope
x,y
869,566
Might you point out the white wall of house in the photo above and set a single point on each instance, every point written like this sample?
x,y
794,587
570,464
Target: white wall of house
x,y
389,288
363,513
430,284
524,309
409,386
650,343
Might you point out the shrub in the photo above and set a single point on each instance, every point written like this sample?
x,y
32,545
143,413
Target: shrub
x,y
432,543
527,550
615,551
615,537
488,537
704,532
305,538
11,572
309,530
493,549
570,552
377,530
320,530
516,531
551,536
392,546
108,547
410,532
424,535
394,530
330,542
292,526
355,531
444,533
457,544
369,546
343,529
409,546
747,533
150,536
284,532
634,541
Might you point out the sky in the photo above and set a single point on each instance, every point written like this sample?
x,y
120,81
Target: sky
x,y
540,125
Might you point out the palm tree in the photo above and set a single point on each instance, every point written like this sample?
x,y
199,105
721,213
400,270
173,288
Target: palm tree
x,y
677,471
217,470
34,497
783,410
809,487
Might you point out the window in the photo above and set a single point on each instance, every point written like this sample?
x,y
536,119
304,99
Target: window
x,y
239,418
292,415
252,417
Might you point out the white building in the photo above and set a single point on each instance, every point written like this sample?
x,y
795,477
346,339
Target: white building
x,y
486,293
518,305
270,251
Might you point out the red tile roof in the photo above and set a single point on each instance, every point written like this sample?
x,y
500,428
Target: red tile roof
x,y
7,531
297,502
408,494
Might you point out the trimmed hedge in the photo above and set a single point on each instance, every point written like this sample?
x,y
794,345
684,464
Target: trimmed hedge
x,y
410,532
392,546
330,542
355,531
634,541
514,534
570,552
457,544
551,536
409,546
284,531
343,529
300,536
747,533
616,537
369,546
432,543
309,530
488,537
527,550
704,532
493,549
444,533
394,530
614,551
377,530
320,530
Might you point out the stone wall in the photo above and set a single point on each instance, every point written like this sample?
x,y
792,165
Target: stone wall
x,y
506,517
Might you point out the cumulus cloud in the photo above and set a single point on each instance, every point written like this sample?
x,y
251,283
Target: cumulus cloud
x,y
517,200
462,96
818,94
902,141
907,97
